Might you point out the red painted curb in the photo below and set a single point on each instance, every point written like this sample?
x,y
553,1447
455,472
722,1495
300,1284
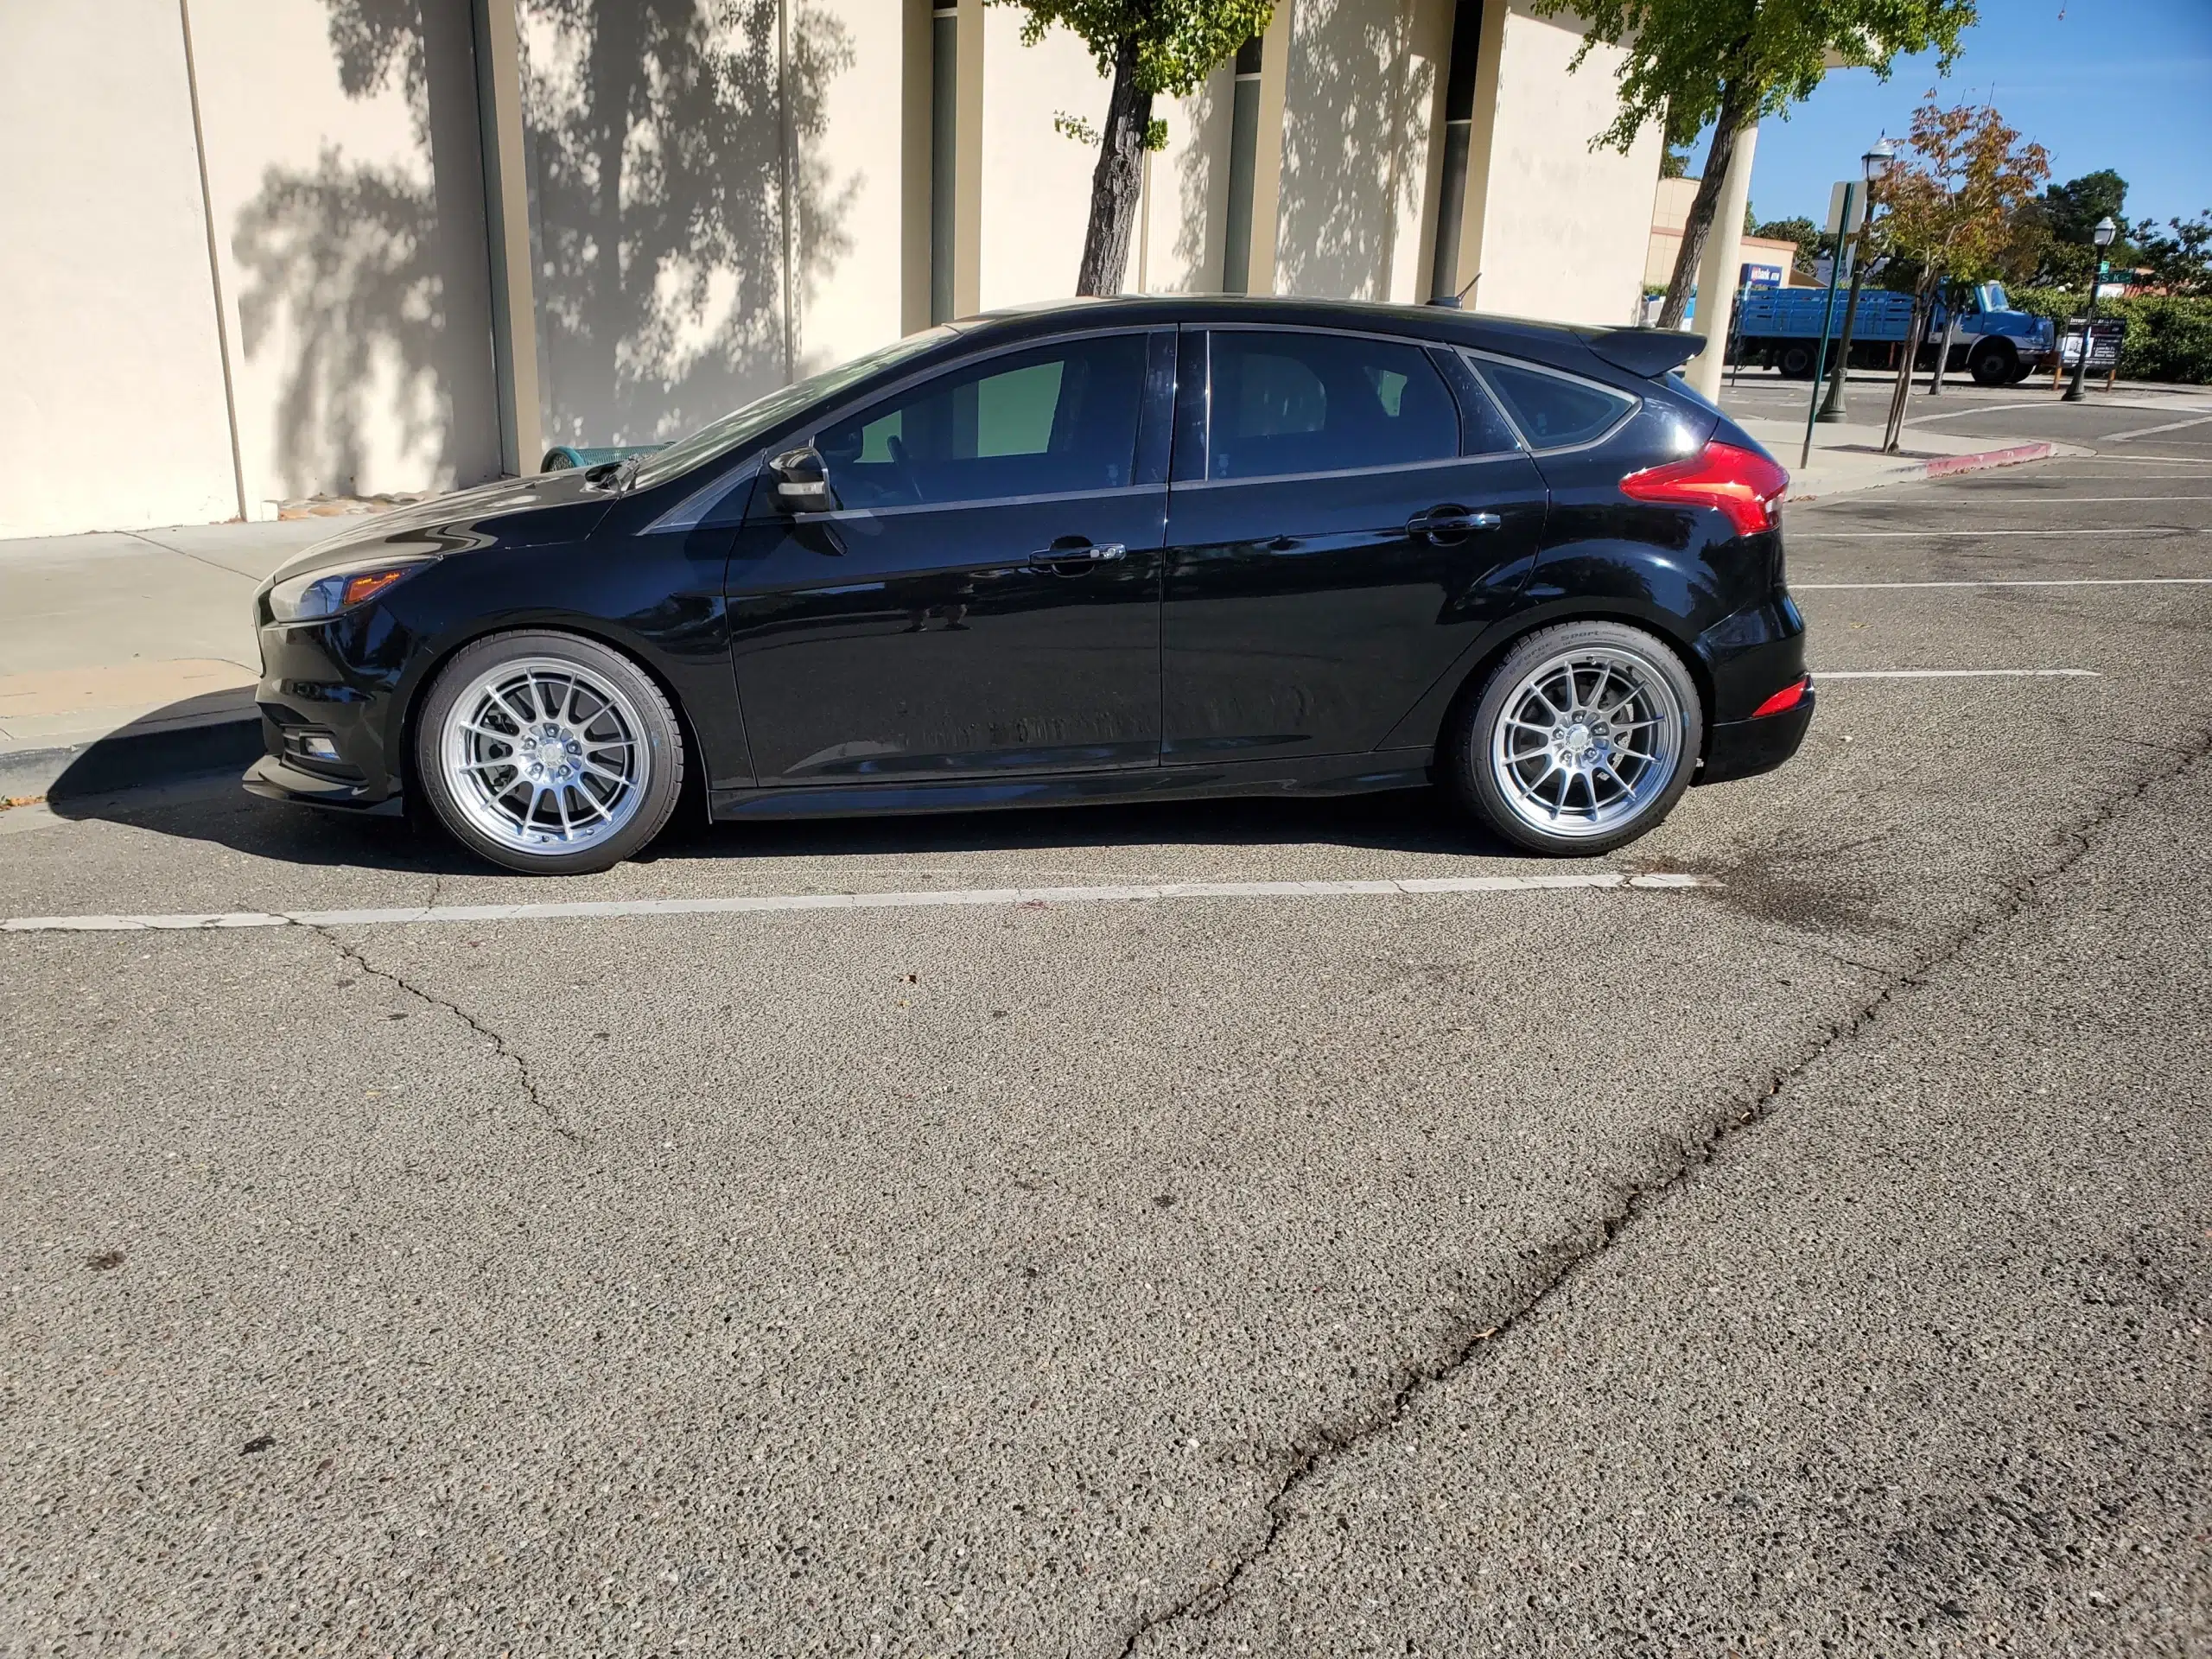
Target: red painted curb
x,y
1944,464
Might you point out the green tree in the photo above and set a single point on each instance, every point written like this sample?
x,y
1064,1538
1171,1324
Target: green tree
x,y
1812,241
1152,48
2179,258
1690,64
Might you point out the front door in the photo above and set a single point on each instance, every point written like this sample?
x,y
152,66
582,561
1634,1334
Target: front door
x,y
1342,527
984,598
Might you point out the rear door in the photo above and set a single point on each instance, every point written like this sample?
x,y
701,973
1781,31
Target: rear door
x,y
984,599
1348,512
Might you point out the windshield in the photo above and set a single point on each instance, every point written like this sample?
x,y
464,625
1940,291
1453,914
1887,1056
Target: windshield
x,y
1992,297
719,437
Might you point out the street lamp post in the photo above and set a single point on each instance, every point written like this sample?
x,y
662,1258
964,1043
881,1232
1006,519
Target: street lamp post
x,y
1875,164
2102,236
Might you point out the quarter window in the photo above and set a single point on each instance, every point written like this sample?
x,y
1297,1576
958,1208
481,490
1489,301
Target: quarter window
x,y
1289,403
1553,412
1058,420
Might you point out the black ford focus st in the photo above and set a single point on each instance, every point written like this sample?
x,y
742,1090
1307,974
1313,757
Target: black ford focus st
x,y
1104,552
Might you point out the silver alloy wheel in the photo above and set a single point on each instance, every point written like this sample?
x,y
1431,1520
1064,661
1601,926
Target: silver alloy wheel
x,y
1587,741
545,757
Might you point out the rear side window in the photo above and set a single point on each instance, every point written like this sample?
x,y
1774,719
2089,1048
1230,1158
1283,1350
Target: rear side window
x,y
1289,403
1553,412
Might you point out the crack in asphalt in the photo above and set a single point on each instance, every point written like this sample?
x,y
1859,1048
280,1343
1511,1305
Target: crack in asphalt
x,y
546,1109
1561,1260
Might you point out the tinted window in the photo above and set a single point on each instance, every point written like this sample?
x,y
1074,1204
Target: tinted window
x,y
1058,419
1553,412
1286,402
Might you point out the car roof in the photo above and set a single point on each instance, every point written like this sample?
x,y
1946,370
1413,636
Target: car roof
x,y
1563,345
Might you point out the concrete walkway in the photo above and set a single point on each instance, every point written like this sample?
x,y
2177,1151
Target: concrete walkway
x,y
128,656
138,639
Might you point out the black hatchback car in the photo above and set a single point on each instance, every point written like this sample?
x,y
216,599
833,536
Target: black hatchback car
x,y
1102,551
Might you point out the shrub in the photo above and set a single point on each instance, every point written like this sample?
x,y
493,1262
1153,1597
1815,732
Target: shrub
x,y
2167,338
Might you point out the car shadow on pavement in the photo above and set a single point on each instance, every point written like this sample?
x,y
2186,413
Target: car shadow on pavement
x,y
1410,821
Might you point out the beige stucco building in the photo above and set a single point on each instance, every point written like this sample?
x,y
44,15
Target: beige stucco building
x,y
257,251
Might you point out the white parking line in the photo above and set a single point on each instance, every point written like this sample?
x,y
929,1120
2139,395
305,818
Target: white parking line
x,y
1924,535
2146,432
2010,582
1820,674
1028,898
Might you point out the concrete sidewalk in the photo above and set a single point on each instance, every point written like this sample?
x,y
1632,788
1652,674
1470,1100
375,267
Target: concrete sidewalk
x,y
128,657
1848,457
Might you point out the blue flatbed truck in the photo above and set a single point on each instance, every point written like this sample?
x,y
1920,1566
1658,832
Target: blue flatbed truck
x,y
1780,327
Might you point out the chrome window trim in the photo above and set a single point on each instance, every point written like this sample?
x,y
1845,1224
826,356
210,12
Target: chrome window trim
x,y
1419,343
1476,357
1392,468
691,512
848,515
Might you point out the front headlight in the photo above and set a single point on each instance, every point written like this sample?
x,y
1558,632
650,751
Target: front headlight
x,y
325,593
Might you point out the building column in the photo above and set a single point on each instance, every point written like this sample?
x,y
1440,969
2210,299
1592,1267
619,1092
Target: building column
x,y
1722,263
506,218
1248,263
1458,139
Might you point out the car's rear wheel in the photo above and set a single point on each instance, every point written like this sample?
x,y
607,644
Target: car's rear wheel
x,y
1581,740
548,753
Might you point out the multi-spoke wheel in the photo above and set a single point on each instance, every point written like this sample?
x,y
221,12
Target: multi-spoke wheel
x,y
1582,739
547,753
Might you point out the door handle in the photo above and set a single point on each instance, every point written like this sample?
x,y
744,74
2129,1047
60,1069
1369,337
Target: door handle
x,y
1074,560
1450,523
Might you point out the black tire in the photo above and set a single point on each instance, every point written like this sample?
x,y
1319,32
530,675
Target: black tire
x,y
1994,365
1796,362
658,740
1465,751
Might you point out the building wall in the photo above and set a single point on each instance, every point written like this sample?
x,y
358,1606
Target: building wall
x,y
1186,193
112,397
345,171
1363,81
1565,229
1036,194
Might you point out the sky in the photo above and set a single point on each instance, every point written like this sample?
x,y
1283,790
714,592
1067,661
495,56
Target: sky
x,y
2123,83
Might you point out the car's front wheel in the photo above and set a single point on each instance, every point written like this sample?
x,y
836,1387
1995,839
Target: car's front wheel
x,y
547,753
1581,740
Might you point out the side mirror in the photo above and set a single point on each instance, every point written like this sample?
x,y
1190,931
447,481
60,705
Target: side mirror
x,y
801,481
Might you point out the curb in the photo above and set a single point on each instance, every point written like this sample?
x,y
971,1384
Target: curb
x,y
129,759
1911,472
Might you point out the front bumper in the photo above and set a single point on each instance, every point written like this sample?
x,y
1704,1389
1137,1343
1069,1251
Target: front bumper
x,y
275,779
328,696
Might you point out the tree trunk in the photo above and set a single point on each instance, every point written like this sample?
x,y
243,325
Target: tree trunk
x,y
1893,428
1735,100
1118,183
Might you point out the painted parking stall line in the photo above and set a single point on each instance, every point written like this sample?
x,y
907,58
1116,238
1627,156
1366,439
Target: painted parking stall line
x,y
1821,674
2007,581
761,904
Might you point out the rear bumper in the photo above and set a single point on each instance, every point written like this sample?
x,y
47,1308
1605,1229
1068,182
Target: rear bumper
x,y
1743,748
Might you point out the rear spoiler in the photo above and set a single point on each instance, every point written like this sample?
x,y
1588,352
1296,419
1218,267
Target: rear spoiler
x,y
1650,352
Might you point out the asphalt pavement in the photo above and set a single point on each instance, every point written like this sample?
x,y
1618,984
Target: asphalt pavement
x,y
1803,1244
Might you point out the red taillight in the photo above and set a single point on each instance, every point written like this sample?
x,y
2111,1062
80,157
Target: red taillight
x,y
1786,699
1743,483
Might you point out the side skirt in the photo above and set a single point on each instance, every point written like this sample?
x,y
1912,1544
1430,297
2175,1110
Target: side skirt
x,y
1339,774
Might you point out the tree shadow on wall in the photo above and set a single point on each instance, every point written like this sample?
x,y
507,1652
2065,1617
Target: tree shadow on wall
x,y
658,156
1355,144
1202,186
656,148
